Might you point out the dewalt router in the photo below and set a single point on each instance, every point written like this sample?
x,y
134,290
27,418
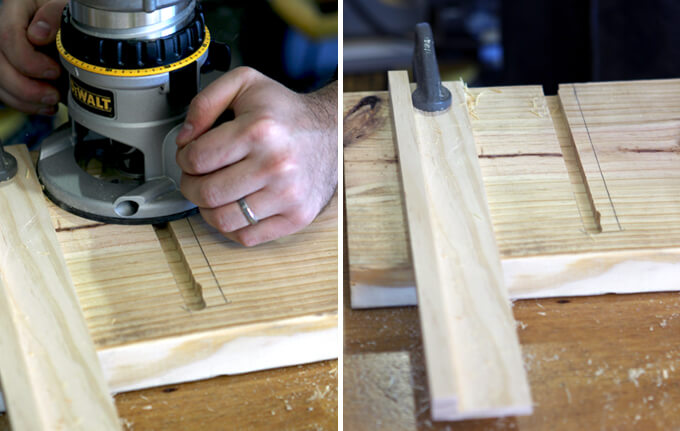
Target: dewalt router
x,y
133,68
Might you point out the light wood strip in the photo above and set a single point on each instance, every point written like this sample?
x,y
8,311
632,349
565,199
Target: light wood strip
x,y
50,372
462,299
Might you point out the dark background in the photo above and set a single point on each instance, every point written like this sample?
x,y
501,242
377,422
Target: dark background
x,y
504,42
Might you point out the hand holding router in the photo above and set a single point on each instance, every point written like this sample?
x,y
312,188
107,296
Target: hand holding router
x,y
134,67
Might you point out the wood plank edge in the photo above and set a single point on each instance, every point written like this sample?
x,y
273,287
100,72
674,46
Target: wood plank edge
x,y
614,272
225,351
222,352
446,409
364,296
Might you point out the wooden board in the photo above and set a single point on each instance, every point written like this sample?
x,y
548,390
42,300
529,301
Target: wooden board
x,y
537,198
50,372
152,298
462,299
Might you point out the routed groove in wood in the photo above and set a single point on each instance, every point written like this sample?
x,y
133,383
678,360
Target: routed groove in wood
x,y
587,151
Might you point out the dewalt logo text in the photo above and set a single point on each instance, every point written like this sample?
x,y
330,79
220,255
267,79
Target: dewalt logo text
x,y
95,100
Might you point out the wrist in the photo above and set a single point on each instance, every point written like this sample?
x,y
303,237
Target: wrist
x,y
323,105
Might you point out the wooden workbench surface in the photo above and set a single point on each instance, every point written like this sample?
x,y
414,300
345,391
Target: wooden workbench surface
x,y
300,397
603,362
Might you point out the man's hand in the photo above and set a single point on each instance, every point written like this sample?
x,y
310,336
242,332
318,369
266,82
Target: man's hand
x,y
279,153
25,72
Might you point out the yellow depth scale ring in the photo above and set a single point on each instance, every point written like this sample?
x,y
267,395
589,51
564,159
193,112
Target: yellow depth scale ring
x,y
133,72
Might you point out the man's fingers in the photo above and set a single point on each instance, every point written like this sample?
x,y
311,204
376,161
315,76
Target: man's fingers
x,y
211,102
45,23
23,56
29,108
215,149
267,230
26,89
230,217
224,186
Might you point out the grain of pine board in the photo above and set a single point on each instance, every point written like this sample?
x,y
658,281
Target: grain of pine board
x,y
50,372
514,120
462,299
155,312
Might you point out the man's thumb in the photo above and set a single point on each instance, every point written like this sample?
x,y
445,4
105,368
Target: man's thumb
x,y
45,23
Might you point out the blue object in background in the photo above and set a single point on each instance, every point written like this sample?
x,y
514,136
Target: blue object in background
x,y
304,58
32,132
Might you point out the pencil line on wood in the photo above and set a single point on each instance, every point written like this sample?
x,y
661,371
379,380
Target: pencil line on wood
x,y
219,286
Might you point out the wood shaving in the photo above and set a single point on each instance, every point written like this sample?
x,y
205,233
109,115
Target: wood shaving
x,y
633,375
471,100
539,108
318,394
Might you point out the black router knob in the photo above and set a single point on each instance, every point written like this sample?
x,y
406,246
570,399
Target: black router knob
x,y
133,53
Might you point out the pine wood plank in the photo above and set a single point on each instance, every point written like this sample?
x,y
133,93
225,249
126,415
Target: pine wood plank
x,y
462,299
50,372
515,122
157,316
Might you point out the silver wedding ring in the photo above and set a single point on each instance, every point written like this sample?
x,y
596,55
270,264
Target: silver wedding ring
x,y
247,212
